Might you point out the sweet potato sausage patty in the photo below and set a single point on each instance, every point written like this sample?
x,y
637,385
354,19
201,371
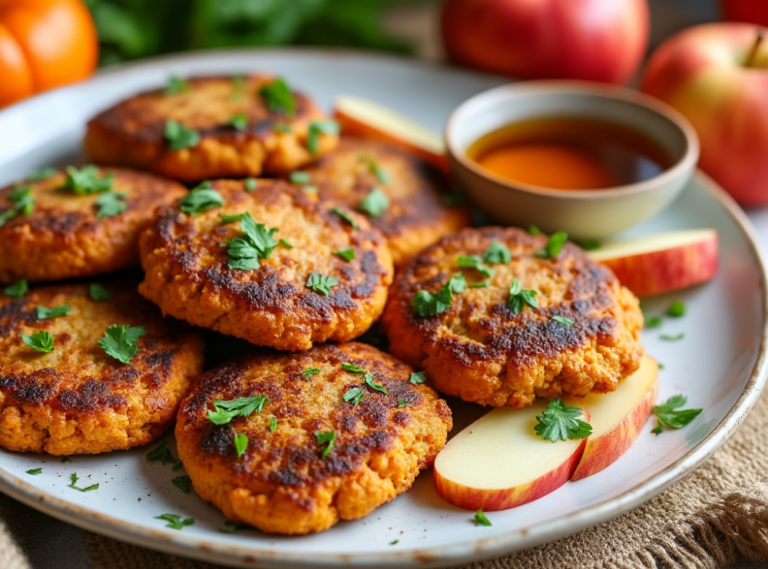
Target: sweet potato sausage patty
x,y
290,477
64,234
76,399
303,292
583,337
235,131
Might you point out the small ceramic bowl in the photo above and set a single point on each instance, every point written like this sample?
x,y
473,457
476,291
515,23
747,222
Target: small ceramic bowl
x,y
583,214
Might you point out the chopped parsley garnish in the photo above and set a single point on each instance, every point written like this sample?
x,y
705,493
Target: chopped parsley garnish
x,y
23,203
563,320
175,521
454,198
431,304
316,128
35,471
394,542
554,245
44,313
590,245
481,519
73,478
121,342
354,395
327,439
183,483
560,423
418,377
201,199
401,404
475,262
239,121
533,230
285,243
352,368
179,136
98,293
241,443
298,177
375,385
41,174
164,455
381,174
272,424
17,289
250,184
232,527
256,243
111,204
282,128
345,216
88,180
481,284
311,371
41,341
346,254
669,338
321,284
661,365
175,86
278,97
653,322
676,309
670,415
231,218
226,411
497,253
375,203
519,298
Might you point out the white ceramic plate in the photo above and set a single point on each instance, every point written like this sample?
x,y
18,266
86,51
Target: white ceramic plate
x,y
720,364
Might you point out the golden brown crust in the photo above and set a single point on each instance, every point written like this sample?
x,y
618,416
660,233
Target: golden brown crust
x,y
281,483
186,262
417,215
77,399
481,351
62,237
132,132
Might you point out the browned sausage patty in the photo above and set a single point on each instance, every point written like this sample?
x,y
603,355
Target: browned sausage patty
x,y
582,338
289,478
77,399
235,130
67,232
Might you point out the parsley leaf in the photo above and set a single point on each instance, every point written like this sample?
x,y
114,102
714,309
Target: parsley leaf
x,y
563,320
345,216
120,342
481,284
533,230
346,254
41,174
272,424
241,443
375,385
676,309
282,128
316,128
670,415
232,527
111,204
475,262
164,455
481,519
560,423
321,284
668,338
519,297
590,245
298,177
431,304
98,293
375,203
497,253
402,403
87,180
41,341
44,313
250,184
256,243
23,203
226,411
654,322
285,243
352,368
239,121
17,289
176,85
278,97
175,521
327,439
179,136
231,218
201,199
418,377
183,483
35,471
554,245
311,371
354,395
73,478
381,174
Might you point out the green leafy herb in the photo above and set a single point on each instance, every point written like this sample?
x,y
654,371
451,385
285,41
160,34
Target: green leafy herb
x,y
375,203
73,484
381,174
533,230
345,216
164,455
282,128
431,304
200,199
183,483
418,377
239,121
375,385
179,136
121,342
272,424
299,177
401,404
669,338
111,204
231,218
670,415
44,313
519,298
590,245
352,368
41,174
232,527
311,371
475,262
497,253
87,180
346,254
278,97
226,411
661,365
454,198
316,128
175,521
256,243
554,245
23,203
676,309
175,86
327,439
17,289
481,284
98,293
320,283
35,471
563,320
241,443
395,542
560,423
354,395
41,341
481,519
654,322
250,184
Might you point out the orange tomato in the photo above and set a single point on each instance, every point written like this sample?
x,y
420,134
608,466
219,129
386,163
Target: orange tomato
x,y
44,44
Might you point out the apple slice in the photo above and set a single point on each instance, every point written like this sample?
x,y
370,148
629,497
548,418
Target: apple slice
x,y
359,117
617,418
499,462
663,262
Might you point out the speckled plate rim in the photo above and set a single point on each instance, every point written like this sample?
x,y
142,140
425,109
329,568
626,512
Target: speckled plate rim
x,y
471,550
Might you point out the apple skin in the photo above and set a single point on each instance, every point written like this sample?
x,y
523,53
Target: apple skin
x,y
754,11
592,40
700,73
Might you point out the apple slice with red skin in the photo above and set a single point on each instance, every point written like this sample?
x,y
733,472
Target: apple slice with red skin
x,y
663,262
499,462
359,117
617,418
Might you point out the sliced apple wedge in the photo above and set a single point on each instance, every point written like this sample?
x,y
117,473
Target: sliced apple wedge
x,y
359,117
498,462
663,262
617,418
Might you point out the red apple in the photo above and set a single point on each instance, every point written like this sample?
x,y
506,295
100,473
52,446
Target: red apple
x,y
594,40
754,11
663,262
499,462
617,418
712,75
